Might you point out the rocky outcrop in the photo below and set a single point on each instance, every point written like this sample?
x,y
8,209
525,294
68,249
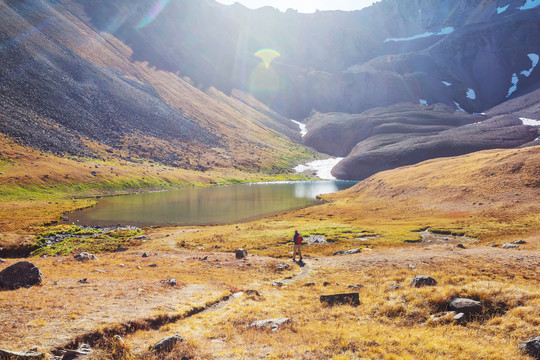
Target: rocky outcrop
x,y
384,152
20,274
26,355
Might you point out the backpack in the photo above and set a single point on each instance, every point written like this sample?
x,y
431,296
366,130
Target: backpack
x,y
298,240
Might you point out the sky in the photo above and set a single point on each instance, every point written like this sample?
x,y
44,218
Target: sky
x,y
304,6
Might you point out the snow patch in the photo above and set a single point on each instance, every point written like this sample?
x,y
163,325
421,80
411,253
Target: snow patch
x,y
471,94
513,88
303,127
445,31
446,83
530,4
323,168
530,122
423,102
502,9
534,58
459,106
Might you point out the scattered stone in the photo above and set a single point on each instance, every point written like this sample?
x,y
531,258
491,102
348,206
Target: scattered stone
x,y
531,347
510,246
152,265
461,246
423,280
2,261
272,324
83,350
140,237
444,318
167,344
85,256
357,286
309,284
519,242
20,274
241,253
282,267
316,240
392,288
326,283
252,292
341,299
412,267
465,306
121,249
13,355
93,173
84,281
277,283
347,252
145,255
413,241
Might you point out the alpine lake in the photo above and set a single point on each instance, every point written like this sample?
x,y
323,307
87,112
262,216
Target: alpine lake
x,y
210,205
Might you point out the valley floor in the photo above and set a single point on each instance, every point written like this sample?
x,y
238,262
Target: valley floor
x,y
125,293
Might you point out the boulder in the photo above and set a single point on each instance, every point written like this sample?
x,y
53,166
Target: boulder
x,y
20,274
531,347
85,256
167,344
83,350
509,246
30,355
465,306
423,280
241,253
348,252
272,324
340,299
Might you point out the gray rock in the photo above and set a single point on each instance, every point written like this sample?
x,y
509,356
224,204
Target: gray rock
x,y
20,274
241,253
252,292
85,256
465,306
347,252
282,267
519,242
423,280
272,324
309,284
277,283
83,350
145,255
392,288
326,283
316,240
13,355
341,299
167,344
509,246
461,246
140,237
357,286
531,347
2,260
459,318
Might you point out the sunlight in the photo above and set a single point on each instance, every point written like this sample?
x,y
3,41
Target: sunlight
x,y
267,56
153,13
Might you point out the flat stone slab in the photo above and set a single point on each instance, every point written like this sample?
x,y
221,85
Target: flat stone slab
x,y
466,306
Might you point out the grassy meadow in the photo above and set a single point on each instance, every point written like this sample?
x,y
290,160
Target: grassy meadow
x,y
481,200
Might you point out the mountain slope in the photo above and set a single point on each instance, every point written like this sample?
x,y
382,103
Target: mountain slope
x,y
64,83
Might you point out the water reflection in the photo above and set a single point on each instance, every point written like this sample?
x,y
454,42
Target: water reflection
x,y
208,205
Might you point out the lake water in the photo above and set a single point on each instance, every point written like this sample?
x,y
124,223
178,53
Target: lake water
x,y
205,205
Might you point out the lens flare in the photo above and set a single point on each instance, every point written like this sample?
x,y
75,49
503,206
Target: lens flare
x,y
267,56
153,13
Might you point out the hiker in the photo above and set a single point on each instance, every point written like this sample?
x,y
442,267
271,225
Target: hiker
x,y
297,244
